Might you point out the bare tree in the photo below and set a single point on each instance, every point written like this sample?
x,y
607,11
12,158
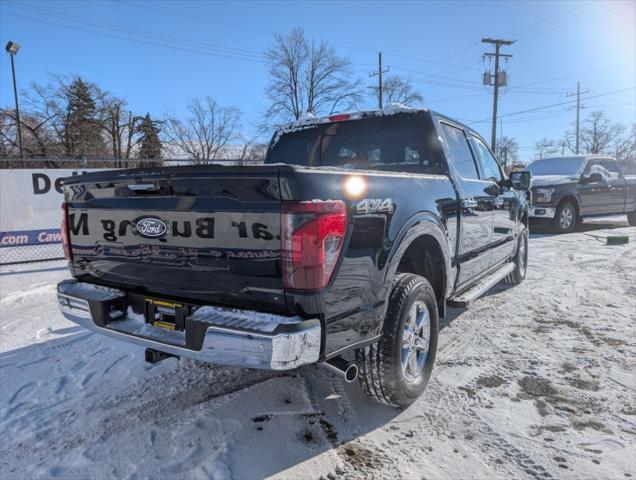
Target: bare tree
x,y
206,130
307,76
507,151
545,148
120,127
69,107
38,140
399,90
252,153
597,134
624,149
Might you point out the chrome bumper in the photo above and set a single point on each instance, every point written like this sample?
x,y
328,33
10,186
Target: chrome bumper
x,y
230,337
535,211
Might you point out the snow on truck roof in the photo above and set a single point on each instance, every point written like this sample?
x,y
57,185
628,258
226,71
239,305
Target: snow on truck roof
x,y
587,156
308,120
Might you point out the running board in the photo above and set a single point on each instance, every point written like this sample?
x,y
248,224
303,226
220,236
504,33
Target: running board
x,y
485,284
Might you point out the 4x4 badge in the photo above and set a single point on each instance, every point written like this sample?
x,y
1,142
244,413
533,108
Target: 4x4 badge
x,y
375,205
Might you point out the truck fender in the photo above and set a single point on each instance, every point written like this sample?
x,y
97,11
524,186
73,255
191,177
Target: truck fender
x,y
570,193
418,225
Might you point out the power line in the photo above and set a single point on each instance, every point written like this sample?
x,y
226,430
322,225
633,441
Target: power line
x,y
543,107
141,33
566,77
448,81
570,20
551,22
171,42
433,75
450,99
419,78
119,37
197,18
571,16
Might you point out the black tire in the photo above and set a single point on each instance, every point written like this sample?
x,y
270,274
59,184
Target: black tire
x,y
631,218
520,260
382,374
564,212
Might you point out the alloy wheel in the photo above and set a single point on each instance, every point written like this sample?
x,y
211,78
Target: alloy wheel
x,y
415,341
566,219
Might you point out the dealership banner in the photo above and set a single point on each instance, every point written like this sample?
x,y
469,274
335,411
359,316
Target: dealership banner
x,y
30,203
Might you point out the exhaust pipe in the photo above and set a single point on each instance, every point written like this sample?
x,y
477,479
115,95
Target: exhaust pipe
x,y
155,356
349,370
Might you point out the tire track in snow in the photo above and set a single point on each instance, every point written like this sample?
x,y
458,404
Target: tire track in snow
x,y
144,402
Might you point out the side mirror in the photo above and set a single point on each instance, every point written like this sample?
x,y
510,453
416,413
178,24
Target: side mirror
x,y
521,180
595,177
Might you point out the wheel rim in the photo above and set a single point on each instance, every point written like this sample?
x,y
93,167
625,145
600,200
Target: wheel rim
x,y
415,341
523,255
567,218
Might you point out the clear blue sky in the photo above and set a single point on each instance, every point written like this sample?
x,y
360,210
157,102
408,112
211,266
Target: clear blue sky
x,y
158,54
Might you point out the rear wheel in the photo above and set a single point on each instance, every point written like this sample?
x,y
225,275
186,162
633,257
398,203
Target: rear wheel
x,y
631,218
565,218
520,260
396,369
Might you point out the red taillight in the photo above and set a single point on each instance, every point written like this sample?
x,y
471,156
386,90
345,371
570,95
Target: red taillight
x,y
66,238
339,118
312,235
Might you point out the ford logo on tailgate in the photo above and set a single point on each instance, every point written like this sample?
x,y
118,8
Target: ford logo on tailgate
x,y
150,227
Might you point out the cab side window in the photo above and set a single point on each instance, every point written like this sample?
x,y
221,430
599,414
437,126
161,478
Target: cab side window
x,y
461,156
611,167
489,166
596,166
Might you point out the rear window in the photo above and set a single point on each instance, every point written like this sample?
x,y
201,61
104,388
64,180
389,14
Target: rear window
x,y
395,143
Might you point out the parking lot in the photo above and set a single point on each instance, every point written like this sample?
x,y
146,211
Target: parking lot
x,y
537,381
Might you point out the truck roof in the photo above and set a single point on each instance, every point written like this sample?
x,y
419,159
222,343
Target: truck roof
x,y
587,156
308,120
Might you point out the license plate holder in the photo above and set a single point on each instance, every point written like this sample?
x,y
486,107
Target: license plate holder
x,y
165,313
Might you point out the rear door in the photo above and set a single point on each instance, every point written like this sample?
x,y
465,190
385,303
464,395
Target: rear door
x,y
618,187
504,202
209,234
476,204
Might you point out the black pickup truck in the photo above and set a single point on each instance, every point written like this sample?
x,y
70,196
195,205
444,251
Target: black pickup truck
x,y
347,243
566,189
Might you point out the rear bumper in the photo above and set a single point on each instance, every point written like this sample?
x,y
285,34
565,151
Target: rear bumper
x,y
222,336
538,211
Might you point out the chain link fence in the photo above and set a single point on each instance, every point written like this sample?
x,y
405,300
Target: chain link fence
x,y
30,199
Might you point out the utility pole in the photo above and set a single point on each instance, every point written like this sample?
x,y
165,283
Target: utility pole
x,y
578,112
379,74
500,79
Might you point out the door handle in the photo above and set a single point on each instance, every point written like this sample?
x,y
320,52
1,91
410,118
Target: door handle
x,y
469,203
142,187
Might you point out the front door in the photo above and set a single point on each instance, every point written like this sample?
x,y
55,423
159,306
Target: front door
x,y
476,203
596,196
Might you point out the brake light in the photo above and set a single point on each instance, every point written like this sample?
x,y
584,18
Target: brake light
x,y
312,235
66,238
339,118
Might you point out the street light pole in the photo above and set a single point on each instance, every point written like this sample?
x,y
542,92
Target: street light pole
x,y
12,48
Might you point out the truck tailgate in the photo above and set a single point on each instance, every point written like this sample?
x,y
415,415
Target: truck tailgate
x,y
208,233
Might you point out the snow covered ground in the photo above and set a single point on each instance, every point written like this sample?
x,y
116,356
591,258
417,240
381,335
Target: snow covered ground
x,y
537,381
